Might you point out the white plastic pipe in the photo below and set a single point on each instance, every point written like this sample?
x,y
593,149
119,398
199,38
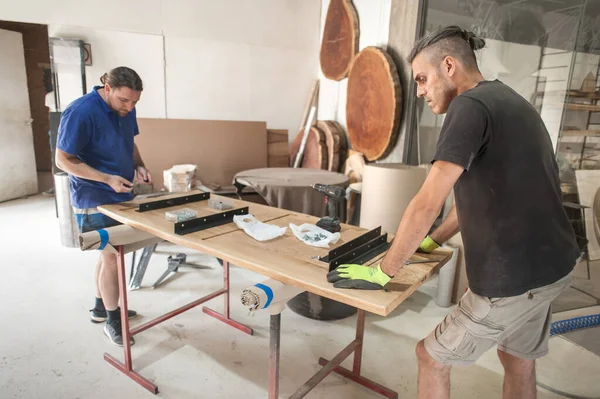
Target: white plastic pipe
x,y
309,123
445,284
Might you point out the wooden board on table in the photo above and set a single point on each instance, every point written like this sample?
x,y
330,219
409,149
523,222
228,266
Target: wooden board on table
x,y
286,258
374,103
337,146
290,261
155,222
315,151
340,39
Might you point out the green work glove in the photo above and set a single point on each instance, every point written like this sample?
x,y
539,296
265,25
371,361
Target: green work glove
x,y
428,245
358,276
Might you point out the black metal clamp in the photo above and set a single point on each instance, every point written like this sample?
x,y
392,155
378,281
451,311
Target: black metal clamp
x,y
359,250
206,222
160,204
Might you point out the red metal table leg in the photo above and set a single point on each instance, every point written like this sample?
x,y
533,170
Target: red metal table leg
x,y
127,367
225,318
131,374
333,365
354,375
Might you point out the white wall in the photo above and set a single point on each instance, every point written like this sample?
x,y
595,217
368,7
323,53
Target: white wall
x,y
226,59
131,15
240,60
374,22
141,52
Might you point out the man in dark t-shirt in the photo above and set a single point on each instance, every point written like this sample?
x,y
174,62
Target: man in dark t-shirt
x,y
519,246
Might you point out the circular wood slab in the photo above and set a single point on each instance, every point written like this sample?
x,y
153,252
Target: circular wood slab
x,y
337,146
374,103
315,151
340,39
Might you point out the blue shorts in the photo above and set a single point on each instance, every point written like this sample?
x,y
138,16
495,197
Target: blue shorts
x,y
90,220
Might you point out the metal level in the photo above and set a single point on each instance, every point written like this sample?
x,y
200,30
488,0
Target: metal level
x,y
150,206
206,222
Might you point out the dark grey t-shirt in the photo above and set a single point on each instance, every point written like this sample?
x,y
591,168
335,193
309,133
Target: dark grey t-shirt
x,y
515,231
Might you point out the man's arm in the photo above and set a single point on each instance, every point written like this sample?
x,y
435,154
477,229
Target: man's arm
x,y
421,213
447,229
74,166
142,174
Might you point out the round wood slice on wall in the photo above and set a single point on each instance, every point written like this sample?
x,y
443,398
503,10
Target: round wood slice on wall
x,y
337,146
340,39
315,151
374,103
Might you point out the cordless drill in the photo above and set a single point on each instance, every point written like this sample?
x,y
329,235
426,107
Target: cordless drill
x,y
333,196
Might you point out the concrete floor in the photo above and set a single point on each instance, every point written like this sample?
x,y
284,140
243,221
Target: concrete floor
x,y
49,349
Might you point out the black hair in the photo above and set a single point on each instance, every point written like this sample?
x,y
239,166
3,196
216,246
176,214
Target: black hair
x,y
122,77
451,40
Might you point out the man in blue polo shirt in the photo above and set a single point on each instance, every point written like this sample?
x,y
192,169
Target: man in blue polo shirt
x,y
96,147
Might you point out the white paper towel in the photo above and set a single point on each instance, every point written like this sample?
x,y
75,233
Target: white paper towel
x,y
387,190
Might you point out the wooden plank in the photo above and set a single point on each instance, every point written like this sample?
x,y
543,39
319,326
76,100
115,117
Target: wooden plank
x,y
583,94
570,94
278,149
315,152
583,107
278,161
580,133
277,135
337,146
286,258
311,101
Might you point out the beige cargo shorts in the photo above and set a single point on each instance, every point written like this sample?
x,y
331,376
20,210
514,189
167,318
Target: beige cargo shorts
x,y
519,325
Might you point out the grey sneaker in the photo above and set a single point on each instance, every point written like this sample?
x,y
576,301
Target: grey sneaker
x,y
114,332
100,316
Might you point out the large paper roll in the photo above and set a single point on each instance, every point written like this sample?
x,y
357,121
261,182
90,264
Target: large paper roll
x,y
268,294
387,190
106,239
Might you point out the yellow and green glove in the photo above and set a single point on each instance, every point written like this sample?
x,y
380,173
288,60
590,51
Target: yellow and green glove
x,y
358,276
428,245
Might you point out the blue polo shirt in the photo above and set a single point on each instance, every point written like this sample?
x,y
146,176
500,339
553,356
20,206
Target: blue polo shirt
x,y
102,139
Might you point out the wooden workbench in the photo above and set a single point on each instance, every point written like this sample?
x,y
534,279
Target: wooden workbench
x,y
285,259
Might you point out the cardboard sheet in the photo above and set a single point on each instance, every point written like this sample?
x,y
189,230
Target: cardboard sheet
x,y
387,190
220,149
